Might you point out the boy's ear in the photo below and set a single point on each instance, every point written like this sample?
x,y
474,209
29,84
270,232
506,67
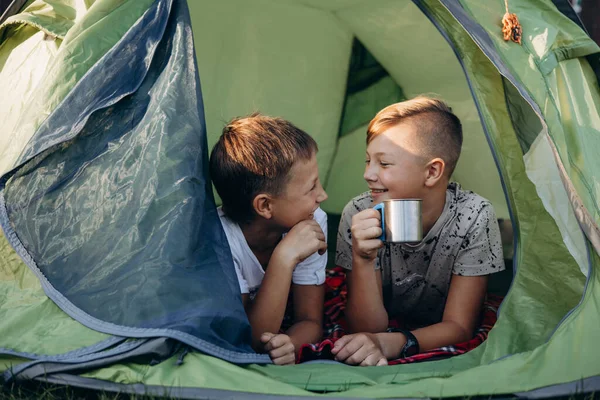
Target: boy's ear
x,y
434,171
262,205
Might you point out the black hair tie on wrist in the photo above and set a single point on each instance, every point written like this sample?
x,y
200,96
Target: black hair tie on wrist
x,y
411,347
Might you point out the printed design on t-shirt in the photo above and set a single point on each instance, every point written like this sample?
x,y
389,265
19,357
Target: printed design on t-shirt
x,y
422,273
488,257
417,277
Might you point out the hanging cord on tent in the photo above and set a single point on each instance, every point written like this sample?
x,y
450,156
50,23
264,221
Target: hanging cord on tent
x,y
511,28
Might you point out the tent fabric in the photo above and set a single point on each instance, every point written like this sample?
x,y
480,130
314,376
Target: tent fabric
x,y
549,91
588,385
83,46
122,174
141,351
79,133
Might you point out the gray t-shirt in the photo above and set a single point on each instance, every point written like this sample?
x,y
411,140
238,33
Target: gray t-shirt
x,y
465,240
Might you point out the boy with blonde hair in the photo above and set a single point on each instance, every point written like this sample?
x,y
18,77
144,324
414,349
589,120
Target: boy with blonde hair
x,y
436,287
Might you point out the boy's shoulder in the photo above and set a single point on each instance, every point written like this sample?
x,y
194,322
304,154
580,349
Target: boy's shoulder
x,y
231,228
461,198
466,210
358,203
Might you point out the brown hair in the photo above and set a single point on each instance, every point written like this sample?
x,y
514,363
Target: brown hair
x,y
254,155
439,130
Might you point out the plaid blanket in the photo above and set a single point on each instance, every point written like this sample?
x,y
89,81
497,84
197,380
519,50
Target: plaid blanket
x,y
334,325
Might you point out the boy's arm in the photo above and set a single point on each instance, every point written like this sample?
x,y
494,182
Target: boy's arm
x,y
365,311
481,255
266,311
268,308
460,318
461,313
308,314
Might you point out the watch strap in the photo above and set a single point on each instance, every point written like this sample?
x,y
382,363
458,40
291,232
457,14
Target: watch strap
x,y
411,347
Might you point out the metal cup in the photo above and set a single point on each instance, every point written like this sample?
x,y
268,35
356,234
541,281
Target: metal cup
x,y
401,220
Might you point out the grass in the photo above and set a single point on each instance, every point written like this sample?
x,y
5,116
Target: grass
x,y
34,390
43,391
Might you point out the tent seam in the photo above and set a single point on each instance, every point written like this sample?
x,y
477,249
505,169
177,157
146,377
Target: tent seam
x,y
17,21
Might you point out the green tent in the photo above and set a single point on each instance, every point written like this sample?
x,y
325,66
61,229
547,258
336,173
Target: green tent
x,y
105,283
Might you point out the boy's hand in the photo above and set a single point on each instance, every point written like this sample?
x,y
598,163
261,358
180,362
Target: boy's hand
x,y
280,348
366,230
303,240
359,349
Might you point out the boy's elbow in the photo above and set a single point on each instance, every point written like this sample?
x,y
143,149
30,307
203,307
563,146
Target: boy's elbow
x,y
313,328
462,333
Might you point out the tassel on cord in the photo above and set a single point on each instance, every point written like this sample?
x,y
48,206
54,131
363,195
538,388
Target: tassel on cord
x,y
511,28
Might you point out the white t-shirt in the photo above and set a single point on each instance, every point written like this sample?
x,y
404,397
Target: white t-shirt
x,y
250,273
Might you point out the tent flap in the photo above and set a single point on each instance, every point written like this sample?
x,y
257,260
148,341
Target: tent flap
x,y
124,156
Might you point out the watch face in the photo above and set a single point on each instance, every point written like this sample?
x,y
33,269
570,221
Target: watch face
x,y
410,348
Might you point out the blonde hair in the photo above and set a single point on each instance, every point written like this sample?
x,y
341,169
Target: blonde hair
x,y
439,130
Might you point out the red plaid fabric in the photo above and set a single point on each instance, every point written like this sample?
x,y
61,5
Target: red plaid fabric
x,y
334,325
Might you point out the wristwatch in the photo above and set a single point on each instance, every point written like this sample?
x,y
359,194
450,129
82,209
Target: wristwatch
x,y
411,347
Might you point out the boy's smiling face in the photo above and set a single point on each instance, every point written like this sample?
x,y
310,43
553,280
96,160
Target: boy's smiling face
x,y
302,195
394,167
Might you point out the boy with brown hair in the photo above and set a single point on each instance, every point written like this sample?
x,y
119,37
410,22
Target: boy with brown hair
x,y
435,287
265,171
